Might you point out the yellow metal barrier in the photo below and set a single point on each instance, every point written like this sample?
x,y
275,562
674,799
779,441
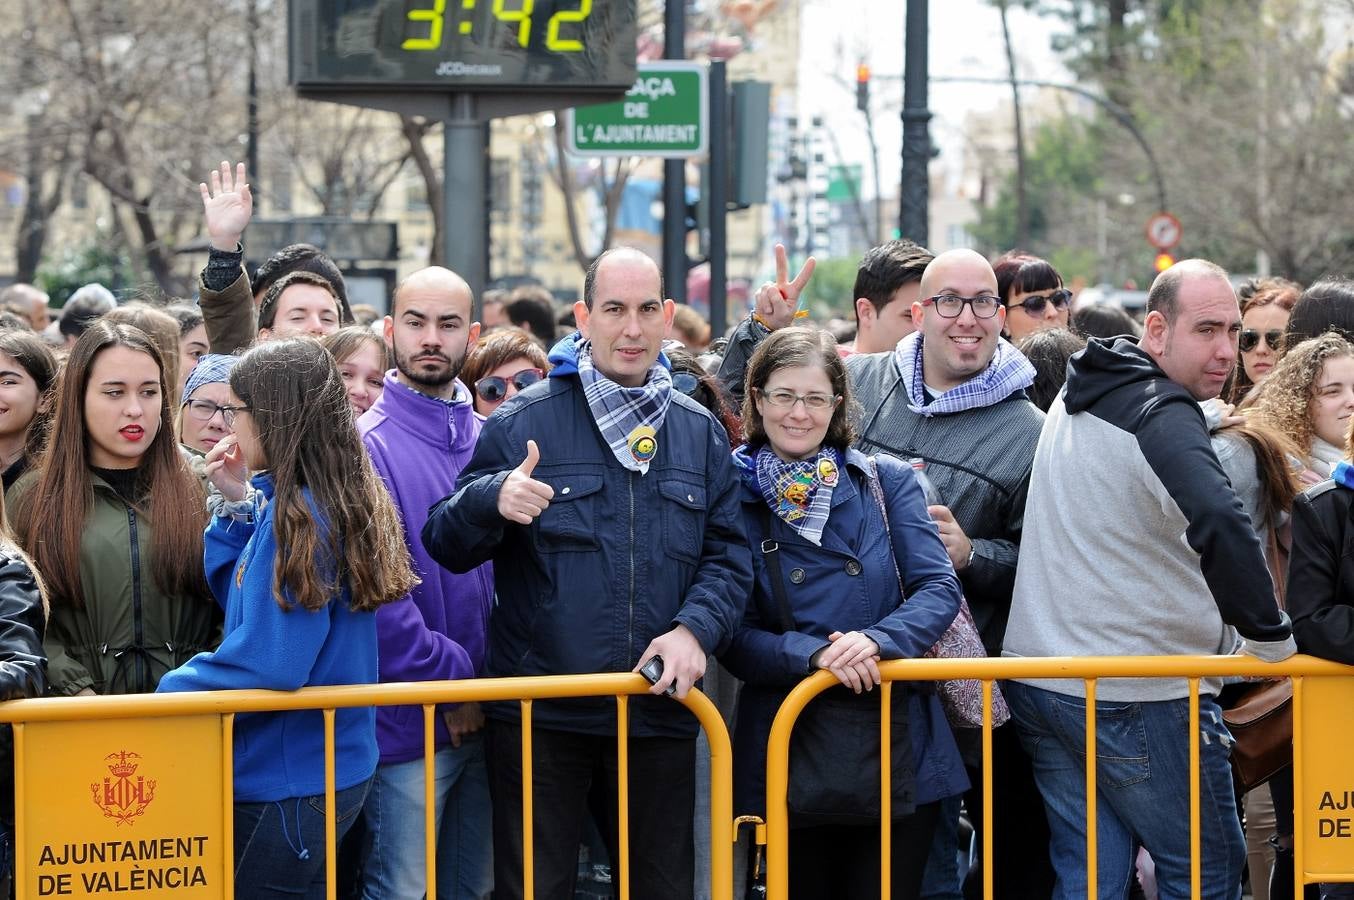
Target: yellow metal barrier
x,y
1338,688
136,710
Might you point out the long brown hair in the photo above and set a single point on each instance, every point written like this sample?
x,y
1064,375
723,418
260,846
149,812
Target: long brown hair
x,y
54,512
304,425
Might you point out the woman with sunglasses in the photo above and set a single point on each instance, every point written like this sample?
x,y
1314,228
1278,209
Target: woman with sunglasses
x,y
1264,317
840,539
503,362
1033,293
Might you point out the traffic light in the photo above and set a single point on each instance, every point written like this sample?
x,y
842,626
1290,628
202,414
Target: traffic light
x,y
863,87
1163,261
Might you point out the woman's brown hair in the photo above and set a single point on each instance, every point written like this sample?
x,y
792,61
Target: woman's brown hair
x,y
304,425
350,339
787,348
1278,292
52,517
500,346
1285,402
162,329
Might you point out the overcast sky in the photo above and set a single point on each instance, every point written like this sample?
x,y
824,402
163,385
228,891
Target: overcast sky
x,y
965,41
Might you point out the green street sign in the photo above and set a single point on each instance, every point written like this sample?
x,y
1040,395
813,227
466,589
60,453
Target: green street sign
x,y
664,114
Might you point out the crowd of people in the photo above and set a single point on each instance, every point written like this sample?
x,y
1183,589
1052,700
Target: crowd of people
x,y
256,490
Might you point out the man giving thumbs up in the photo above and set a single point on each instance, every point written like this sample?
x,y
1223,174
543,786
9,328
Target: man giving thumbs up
x,y
608,504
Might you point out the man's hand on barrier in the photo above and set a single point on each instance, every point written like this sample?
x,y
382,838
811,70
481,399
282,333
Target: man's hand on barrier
x,y
467,718
522,498
957,544
683,660
852,658
228,206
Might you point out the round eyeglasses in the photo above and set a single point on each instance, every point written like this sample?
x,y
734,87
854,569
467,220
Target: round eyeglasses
x,y
951,306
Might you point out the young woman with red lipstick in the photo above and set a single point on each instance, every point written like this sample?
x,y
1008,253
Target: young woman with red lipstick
x,y
113,518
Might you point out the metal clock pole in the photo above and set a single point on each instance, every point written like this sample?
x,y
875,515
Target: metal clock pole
x,y
465,194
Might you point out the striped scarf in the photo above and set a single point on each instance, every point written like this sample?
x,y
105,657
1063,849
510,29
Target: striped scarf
x,y
800,491
1008,372
629,418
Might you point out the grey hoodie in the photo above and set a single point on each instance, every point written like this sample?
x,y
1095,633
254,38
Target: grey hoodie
x,y
1134,541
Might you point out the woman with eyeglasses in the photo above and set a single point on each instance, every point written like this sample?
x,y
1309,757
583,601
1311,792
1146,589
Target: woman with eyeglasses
x,y
113,518
1264,318
503,362
1033,293
206,393
840,539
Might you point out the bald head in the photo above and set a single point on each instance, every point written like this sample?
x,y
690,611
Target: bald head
x,y
954,267
1164,295
620,260
434,281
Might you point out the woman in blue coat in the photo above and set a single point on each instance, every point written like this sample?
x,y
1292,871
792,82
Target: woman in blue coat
x,y
821,542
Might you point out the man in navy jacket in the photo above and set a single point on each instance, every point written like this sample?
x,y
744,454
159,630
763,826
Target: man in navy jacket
x,y
609,506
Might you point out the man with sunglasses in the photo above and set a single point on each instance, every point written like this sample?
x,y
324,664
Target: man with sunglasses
x,y
420,433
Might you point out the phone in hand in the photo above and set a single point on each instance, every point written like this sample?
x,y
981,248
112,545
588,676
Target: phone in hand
x,y
653,670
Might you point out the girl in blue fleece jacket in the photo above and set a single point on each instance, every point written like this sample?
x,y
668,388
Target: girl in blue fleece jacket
x,y
300,565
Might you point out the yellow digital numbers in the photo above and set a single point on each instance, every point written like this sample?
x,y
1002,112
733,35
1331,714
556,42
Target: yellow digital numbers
x,y
565,45
521,16
434,17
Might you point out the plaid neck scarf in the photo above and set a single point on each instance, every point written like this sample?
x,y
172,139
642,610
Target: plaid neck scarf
x,y
800,492
1008,372
629,418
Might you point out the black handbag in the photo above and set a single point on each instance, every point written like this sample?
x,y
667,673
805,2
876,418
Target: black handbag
x,y
834,776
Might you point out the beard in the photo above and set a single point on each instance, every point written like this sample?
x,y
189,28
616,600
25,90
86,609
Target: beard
x,y
408,364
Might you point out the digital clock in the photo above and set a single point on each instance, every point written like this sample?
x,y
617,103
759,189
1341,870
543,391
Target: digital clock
x,y
463,45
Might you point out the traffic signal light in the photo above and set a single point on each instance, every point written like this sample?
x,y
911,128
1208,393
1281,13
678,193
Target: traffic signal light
x,y
863,87
1163,261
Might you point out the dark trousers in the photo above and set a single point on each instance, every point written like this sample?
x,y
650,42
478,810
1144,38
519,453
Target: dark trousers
x,y
843,860
1022,869
661,810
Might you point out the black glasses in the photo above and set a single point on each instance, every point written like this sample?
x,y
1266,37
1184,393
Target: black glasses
x,y
951,306
228,413
203,410
1250,339
1035,305
493,388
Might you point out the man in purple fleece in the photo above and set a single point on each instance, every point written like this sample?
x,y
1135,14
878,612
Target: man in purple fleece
x,y
420,434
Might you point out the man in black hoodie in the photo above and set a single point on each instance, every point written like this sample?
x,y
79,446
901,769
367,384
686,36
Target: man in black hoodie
x,y
1136,544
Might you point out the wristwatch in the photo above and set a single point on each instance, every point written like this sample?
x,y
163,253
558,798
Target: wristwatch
x,y
972,552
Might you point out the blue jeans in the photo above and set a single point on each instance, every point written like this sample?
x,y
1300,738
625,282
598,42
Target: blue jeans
x,y
395,867
1142,791
279,845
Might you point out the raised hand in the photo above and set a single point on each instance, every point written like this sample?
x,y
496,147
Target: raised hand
x,y
777,301
522,498
228,206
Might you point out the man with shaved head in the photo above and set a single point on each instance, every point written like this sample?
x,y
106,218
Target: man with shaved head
x,y
1138,545
420,433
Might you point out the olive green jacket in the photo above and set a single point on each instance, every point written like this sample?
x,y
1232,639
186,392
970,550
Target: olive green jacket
x,y
128,632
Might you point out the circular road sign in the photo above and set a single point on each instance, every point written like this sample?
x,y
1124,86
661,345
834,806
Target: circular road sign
x,y
1163,231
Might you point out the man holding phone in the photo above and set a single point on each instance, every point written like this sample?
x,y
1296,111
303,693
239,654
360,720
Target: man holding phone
x,y
607,501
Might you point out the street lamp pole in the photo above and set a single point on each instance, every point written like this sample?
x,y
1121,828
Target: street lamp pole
x,y
914,194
